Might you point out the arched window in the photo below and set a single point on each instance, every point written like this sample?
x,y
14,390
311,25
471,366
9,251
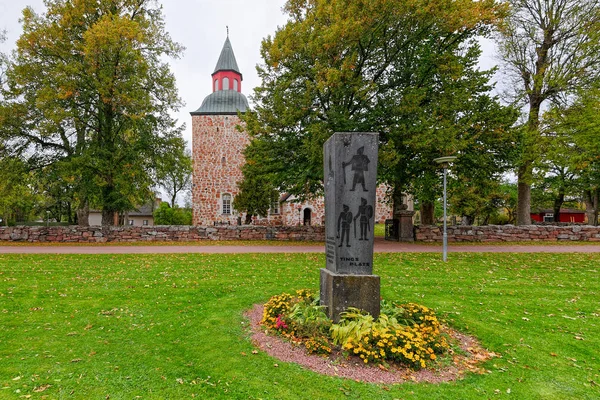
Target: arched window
x,y
226,204
235,85
225,83
216,85
223,161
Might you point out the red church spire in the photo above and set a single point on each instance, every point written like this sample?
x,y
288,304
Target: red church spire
x,y
227,75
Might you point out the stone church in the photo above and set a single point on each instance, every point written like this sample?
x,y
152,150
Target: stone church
x,y
217,148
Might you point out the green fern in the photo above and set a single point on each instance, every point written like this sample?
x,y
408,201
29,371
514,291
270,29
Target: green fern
x,y
309,319
354,323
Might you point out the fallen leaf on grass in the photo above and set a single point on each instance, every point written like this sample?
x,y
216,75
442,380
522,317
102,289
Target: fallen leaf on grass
x,y
254,351
578,338
40,389
76,360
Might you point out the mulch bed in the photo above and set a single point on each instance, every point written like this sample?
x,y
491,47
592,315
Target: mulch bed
x,y
354,368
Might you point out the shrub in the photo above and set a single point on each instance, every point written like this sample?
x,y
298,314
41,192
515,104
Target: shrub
x,y
165,215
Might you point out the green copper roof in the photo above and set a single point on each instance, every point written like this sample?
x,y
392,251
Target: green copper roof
x,y
223,102
227,59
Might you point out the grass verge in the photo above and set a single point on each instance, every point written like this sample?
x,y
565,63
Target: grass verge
x,y
92,326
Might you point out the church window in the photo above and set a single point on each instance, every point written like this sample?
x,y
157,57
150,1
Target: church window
x,y
225,83
235,85
275,207
216,85
227,204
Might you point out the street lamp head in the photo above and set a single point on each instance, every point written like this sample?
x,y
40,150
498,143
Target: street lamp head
x,y
445,160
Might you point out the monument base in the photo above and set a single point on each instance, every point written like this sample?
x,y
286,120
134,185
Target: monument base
x,y
406,231
338,292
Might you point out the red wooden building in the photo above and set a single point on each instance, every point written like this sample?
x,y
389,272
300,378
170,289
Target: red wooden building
x,y
566,215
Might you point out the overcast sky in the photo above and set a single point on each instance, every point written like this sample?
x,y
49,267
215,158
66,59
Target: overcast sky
x,y
200,26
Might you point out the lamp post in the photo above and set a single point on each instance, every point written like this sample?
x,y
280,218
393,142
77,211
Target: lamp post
x,y
444,161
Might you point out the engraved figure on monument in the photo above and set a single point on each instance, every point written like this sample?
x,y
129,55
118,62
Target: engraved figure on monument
x,y
365,213
359,164
344,221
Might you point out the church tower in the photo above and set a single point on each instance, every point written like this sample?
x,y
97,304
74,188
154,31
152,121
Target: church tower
x,y
217,145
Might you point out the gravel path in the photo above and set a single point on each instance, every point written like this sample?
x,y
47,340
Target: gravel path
x,y
381,246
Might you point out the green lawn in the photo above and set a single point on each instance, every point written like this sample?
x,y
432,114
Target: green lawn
x,y
171,326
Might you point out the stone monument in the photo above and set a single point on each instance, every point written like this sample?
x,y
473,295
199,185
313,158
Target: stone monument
x,y
350,163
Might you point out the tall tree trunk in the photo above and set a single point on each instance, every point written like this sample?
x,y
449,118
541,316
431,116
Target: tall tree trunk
x,y
558,202
590,198
523,199
596,204
83,214
69,213
108,217
427,213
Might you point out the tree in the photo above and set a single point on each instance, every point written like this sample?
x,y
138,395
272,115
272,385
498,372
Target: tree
x,y
256,194
18,199
404,69
556,173
550,48
474,202
575,127
166,215
89,88
174,171
3,59
55,185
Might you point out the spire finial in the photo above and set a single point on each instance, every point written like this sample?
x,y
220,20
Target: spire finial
x,y
227,26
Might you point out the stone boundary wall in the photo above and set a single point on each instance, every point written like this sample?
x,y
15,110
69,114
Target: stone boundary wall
x,y
157,233
509,233
429,233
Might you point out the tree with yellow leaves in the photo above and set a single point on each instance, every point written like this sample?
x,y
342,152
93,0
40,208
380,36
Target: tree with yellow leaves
x,y
406,69
89,88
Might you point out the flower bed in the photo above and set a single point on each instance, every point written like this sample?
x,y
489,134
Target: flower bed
x,y
405,334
